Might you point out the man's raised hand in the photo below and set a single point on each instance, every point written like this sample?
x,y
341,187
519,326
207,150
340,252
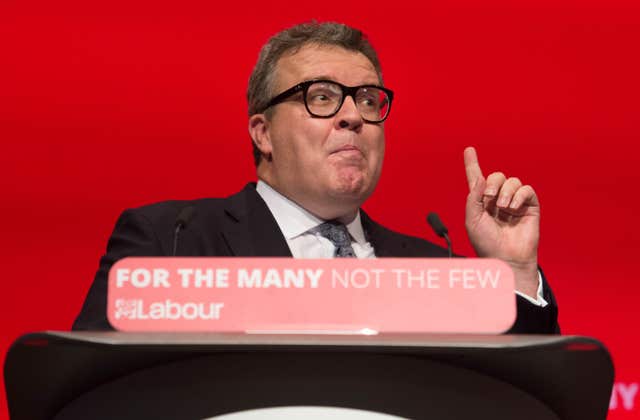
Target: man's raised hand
x,y
503,221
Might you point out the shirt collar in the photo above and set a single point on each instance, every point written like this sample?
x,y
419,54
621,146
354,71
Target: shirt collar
x,y
294,220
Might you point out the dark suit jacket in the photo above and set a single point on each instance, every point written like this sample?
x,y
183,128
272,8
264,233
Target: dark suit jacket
x,y
242,225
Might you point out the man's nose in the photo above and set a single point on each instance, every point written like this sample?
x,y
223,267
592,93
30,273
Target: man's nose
x,y
348,116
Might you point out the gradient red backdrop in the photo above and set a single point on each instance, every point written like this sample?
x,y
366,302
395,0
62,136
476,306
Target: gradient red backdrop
x,y
105,106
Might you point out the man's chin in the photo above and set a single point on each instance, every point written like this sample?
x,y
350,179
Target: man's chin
x,y
354,189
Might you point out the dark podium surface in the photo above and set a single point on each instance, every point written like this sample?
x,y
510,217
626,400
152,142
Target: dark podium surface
x,y
106,375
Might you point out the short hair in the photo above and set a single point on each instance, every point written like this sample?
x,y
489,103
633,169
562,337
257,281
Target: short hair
x,y
291,40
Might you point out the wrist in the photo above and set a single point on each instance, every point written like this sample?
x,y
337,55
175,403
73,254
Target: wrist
x,y
526,278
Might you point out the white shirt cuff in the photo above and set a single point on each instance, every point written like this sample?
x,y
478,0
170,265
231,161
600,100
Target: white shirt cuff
x,y
540,300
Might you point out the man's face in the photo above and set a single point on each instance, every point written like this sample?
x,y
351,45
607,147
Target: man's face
x,y
324,164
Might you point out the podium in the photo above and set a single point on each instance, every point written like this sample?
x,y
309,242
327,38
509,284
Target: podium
x,y
107,375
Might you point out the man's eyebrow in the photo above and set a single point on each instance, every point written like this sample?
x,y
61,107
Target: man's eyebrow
x,y
332,79
320,77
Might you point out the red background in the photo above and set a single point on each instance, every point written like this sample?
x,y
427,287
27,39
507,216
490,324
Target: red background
x,y
110,105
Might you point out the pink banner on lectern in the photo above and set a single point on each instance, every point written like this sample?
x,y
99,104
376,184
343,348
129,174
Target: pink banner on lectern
x,y
273,295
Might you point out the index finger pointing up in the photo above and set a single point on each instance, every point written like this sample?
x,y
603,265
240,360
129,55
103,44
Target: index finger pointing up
x,y
471,165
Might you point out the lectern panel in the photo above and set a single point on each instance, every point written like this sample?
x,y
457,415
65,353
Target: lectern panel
x,y
202,387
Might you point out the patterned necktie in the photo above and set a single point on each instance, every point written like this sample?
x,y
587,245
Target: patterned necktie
x,y
338,234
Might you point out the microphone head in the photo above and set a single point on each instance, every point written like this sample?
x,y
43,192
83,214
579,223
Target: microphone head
x,y
437,225
185,215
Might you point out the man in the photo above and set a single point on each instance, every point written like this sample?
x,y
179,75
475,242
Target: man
x,y
317,107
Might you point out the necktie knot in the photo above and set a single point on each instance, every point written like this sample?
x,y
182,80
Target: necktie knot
x,y
338,234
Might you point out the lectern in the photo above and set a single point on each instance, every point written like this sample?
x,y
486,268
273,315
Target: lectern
x,y
113,375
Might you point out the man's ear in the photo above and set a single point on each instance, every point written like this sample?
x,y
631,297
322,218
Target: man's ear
x,y
259,132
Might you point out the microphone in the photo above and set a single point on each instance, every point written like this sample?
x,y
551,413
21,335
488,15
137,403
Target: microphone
x,y
184,217
440,229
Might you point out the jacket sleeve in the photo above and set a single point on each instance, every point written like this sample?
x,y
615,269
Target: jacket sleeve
x,y
533,319
132,236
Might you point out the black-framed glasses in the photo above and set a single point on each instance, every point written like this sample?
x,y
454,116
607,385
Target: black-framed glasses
x,y
324,98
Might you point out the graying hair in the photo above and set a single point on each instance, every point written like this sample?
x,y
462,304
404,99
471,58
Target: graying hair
x,y
260,89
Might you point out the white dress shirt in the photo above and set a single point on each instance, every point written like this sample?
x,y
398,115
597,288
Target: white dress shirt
x,y
299,228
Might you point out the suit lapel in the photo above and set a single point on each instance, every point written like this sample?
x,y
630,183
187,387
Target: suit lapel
x,y
250,229
384,242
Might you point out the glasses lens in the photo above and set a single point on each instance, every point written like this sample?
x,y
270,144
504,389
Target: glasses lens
x,y
323,98
373,103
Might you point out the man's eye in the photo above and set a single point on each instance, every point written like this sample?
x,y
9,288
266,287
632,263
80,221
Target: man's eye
x,y
321,98
369,102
